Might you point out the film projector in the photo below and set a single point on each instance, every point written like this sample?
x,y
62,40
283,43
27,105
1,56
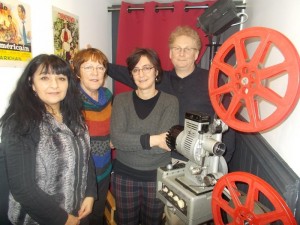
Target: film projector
x,y
202,189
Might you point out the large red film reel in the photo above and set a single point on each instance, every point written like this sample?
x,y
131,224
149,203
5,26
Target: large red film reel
x,y
232,206
248,79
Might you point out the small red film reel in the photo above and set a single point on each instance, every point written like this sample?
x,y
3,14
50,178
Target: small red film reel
x,y
236,200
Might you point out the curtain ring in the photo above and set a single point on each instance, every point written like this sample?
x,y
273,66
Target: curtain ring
x,y
157,8
186,8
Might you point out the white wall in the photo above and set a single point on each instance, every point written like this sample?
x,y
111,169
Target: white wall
x,y
284,17
94,28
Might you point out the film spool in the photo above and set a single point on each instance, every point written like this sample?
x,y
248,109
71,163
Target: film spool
x,y
250,80
242,81
236,199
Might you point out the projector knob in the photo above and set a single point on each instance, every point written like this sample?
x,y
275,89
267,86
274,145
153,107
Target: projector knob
x,y
169,167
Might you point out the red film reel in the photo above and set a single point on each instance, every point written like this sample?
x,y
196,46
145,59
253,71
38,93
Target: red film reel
x,y
241,83
236,200
251,93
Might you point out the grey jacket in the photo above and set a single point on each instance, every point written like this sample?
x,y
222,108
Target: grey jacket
x,y
49,172
127,127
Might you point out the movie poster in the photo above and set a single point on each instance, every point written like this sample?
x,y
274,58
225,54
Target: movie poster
x,y
66,34
15,34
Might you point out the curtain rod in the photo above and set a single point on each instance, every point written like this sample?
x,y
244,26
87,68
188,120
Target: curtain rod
x,y
118,8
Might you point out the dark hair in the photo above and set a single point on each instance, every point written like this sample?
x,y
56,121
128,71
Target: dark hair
x,y
136,55
22,8
85,55
27,109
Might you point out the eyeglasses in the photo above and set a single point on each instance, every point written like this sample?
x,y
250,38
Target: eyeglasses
x,y
188,51
145,70
89,69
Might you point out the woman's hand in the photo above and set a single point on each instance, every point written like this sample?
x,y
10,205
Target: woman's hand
x,y
159,141
111,145
72,220
86,207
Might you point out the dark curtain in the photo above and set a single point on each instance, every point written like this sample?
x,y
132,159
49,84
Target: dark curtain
x,y
150,28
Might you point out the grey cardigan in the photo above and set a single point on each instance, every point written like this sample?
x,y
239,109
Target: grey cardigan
x,y
127,127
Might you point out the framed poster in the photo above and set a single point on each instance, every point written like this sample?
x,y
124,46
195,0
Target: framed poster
x,y
66,34
15,34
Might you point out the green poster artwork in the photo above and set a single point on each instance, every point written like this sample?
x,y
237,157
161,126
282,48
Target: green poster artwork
x,y
66,34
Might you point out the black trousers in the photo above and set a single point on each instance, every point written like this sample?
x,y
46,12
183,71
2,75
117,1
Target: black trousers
x,y
97,215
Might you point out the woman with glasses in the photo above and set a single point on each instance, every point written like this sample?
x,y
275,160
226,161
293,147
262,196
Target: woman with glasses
x,y
90,67
140,120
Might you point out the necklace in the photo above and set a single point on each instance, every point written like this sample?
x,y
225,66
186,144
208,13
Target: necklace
x,y
57,116
56,113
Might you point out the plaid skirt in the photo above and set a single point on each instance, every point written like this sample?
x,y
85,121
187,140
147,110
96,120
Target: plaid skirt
x,y
136,201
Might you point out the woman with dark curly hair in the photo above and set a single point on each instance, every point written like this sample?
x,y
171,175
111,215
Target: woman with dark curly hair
x,y
47,147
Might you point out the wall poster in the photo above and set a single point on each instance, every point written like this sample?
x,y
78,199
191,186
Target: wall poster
x,y
66,34
15,34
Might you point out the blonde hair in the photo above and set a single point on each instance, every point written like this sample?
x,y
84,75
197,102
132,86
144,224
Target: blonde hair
x,y
186,31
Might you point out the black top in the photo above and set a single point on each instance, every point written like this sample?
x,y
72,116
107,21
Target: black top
x,y
191,91
144,107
